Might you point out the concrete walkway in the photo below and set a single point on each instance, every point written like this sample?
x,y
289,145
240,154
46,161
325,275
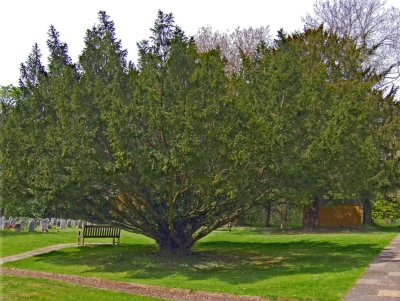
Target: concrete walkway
x,y
47,250
35,252
381,281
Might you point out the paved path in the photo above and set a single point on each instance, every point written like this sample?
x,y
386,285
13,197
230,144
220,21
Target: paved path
x,y
42,251
381,281
35,252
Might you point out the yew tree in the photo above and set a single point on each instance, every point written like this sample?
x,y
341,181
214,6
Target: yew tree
x,y
152,149
175,147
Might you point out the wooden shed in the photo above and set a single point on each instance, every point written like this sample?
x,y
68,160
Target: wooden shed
x,y
337,214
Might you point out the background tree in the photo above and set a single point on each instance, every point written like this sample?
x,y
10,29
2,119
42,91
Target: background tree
x,y
372,24
30,128
314,111
233,46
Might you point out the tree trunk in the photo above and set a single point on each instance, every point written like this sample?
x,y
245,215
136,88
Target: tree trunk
x,y
367,212
284,212
267,215
168,245
311,216
241,220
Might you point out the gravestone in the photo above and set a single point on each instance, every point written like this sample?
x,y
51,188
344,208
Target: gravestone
x,y
12,222
44,226
17,227
69,223
7,225
22,223
58,222
31,226
51,225
1,223
80,224
63,223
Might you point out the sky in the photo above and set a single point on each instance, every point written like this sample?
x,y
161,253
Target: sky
x,y
25,22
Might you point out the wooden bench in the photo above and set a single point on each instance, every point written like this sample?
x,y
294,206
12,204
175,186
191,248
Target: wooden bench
x,y
99,231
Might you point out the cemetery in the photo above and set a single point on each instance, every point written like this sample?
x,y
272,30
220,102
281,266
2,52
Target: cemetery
x,y
248,164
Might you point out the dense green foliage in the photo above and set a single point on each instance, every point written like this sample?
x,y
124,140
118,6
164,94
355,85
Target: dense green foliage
x,y
175,148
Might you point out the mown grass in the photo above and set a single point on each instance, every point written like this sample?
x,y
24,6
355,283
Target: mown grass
x,y
33,289
12,242
320,266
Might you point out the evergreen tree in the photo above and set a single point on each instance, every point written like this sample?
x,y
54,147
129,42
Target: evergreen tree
x,y
175,148
32,70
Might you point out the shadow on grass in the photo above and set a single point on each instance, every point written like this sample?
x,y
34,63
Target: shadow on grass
x,y
230,262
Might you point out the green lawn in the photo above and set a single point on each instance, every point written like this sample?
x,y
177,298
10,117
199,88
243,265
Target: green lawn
x,y
321,266
12,242
32,289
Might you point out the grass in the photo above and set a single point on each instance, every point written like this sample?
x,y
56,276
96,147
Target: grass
x,y
12,242
320,266
33,289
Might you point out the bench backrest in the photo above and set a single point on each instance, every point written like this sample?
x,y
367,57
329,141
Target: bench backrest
x,y
101,231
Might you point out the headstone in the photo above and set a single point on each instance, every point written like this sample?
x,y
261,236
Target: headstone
x,y
58,222
51,225
31,226
69,223
44,226
7,225
17,227
63,223
80,224
22,223
12,223
1,223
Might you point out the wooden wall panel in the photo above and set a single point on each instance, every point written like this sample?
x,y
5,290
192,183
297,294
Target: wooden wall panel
x,y
340,216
